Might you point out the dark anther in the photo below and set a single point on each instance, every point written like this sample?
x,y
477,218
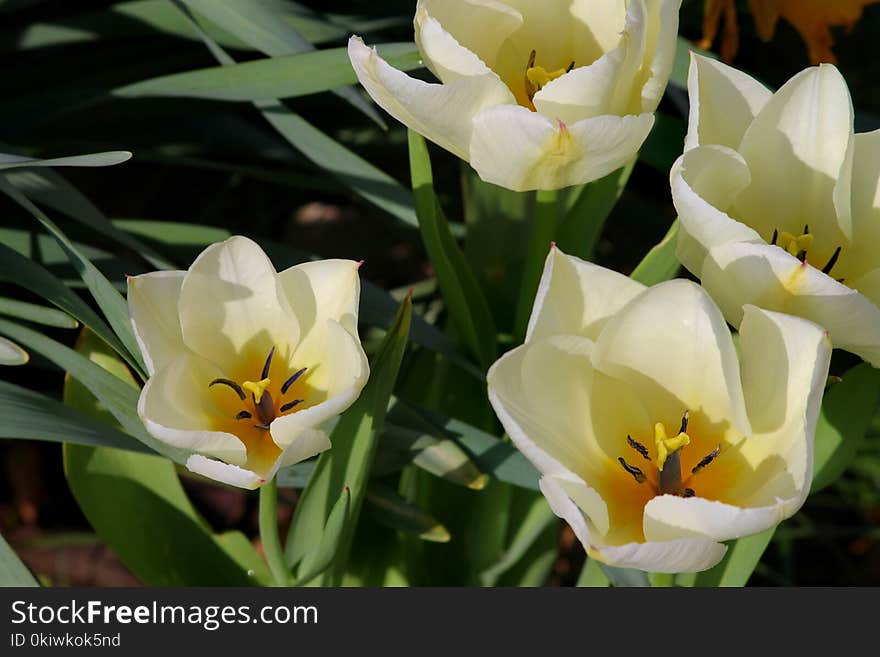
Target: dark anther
x,y
641,449
802,255
833,261
532,57
841,280
806,229
286,407
243,415
292,380
706,460
232,384
637,474
684,422
570,67
775,236
688,492
268,363
262,427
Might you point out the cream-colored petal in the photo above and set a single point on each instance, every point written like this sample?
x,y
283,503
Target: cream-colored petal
x,y
322,290
724,102
577,297
225,473
672,344
660,46
736,274
563,506
461,38
795,149
176,407
152,308
232,307
305,445
627,98
477,26
588,500
705,181
602,24
861,256
440,112
541,393
522,150
668,518
337,372
685,555
785,363
583,93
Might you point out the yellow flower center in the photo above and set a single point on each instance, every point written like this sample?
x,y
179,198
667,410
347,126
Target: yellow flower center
x,y
537,77
259,403
667,480
799,246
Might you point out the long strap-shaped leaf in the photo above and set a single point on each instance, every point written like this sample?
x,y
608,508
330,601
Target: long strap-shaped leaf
x,y
354,441
465,300
109,300
12,571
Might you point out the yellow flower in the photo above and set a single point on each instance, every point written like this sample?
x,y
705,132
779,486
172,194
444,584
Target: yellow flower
x,y
811,18
778,201
246,363
533,95
654,439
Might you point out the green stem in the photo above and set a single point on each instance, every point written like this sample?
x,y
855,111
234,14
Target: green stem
x,y
543,232
269,533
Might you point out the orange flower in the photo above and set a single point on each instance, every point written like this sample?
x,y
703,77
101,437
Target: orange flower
x,y
811,18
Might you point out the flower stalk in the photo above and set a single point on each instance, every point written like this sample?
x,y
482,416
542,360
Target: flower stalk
x,y
543,234
269,534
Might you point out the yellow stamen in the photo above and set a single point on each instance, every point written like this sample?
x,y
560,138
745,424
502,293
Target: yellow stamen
x,y
667,446
795,244
538,76
257,388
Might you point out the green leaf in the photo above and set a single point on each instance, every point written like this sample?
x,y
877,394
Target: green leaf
x,y
536,521
38,314
49,188
391,509
22,271
661,263
348,464
847,410
12,354
9,161
287,76
120,400
137,506
109,300
738,563
466,303
583,221
316,561
29,415
12,571
257,23
592,575
621,577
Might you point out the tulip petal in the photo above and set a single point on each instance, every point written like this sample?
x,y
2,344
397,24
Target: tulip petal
x,y
152,305
724,102
602,23
322,290
338,370
225,473
461,38
861,256
795,149
307,444
676,556
232,308
668,518
689,362
523,150
583,93
577,298
705,181
736,274
662,22
176,407
440,112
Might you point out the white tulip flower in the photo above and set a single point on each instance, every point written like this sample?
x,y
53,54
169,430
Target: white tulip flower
x,y
655,441
535,95
246,363
779,201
